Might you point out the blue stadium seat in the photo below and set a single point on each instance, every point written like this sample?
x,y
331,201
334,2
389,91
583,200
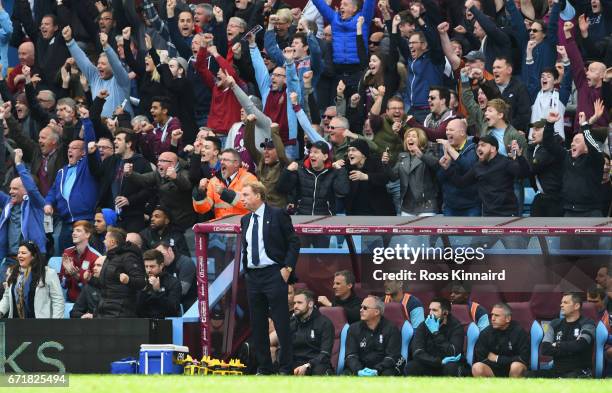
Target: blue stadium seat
x,y
67,309
342,353
472,336
601,336
407,333
536,335
55,263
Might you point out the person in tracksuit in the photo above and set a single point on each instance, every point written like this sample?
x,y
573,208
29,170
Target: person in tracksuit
x,y
569,340
373,344
502,349
437,343
312,335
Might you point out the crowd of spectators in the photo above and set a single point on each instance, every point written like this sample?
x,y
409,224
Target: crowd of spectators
x,y
128,121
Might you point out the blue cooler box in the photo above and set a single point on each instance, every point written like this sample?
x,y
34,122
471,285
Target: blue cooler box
x,y
161,358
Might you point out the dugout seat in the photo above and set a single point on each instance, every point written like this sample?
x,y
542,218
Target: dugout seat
x,y
338,317
486,295
472,336
545,301
461,312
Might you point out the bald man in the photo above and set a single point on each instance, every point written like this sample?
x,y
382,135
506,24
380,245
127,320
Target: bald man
x,y
589,83
27,57
74,193
171,181
459,151
21,217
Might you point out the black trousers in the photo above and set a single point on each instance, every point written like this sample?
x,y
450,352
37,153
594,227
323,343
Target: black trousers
x,y
416,368
317,369
547,206
267,294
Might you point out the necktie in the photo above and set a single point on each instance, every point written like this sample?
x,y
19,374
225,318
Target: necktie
x,y
255,241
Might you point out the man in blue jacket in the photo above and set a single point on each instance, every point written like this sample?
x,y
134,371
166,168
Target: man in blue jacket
x,y
75,190
22,216
344,45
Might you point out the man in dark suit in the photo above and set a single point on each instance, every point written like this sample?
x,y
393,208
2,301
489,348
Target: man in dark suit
x,y
270,250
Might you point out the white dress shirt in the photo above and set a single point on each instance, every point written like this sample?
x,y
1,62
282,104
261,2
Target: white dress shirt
x,y
264,260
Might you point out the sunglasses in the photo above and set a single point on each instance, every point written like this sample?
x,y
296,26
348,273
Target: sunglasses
x,y
326,117
365,308
336,128
534,30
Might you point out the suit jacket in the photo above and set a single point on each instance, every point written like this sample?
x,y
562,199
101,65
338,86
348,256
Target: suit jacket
x,y
280,241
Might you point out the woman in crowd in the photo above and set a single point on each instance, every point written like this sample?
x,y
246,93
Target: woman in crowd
x,y
33,289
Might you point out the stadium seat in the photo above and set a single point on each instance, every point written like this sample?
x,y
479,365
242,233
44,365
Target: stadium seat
x,y
460,311
589,311
472,336
338,317
521,313
342,352
486,295
67,309
359,291
536,334
55,263
407,333
601,336
544,302
394,312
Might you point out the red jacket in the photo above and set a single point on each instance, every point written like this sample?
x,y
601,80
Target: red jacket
x,y
84,263
224,107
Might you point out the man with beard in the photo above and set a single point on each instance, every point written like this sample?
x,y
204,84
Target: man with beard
x,y
312,336
494,175
437,343
440,114
221,194
344,295
103,219
89,298
127,199
161,229
183,268
162,296
78,261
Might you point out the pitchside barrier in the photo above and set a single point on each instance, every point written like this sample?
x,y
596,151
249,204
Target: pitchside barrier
x,y
525,261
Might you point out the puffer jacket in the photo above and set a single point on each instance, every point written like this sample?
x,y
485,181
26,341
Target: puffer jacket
x,y
315,193
417,177
119,300
344,31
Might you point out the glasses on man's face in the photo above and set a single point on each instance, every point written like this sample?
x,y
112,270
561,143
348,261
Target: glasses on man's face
x,y
365,308
324,116
102,147
534,30
336,127
374,43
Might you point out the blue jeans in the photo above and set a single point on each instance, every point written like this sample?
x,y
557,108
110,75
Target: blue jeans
x,y
393,188
469,212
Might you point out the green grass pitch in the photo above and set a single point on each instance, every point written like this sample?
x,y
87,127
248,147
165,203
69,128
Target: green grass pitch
x,y
244,384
